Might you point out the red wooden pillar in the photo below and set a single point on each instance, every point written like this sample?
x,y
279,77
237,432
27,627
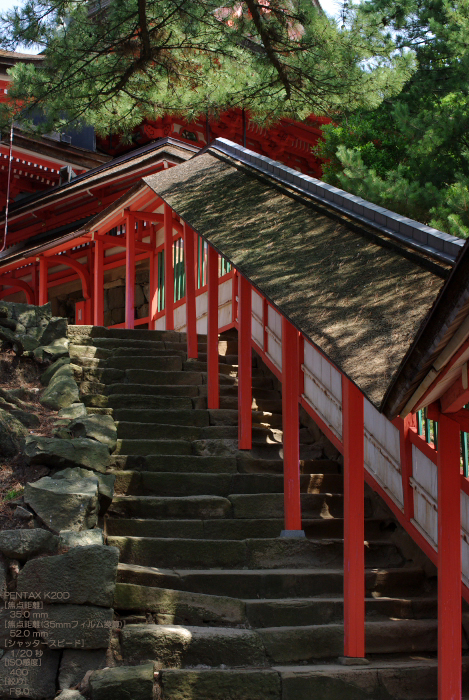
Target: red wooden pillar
x,y
406,463
244,365
153,300
88,312
42,281
130,234
213,393
449,560
35,281
291,427
98,283
354,520
189,267
168,268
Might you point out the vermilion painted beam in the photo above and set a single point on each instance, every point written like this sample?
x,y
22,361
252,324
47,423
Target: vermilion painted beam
x,y
98,283
291,427
354,520
404,426
461,416
130,234
449,560
213,391
19,284
189,267
457,396
168,268
147,216
42,281
244,364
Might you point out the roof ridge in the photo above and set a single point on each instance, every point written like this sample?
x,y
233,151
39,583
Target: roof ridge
x,y
421,237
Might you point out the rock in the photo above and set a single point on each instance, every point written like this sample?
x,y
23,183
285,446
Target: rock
x,y
79,452
86,575
76,663
105,484
52,352
64,504
98,427
85,538
31,319
76,410
139,296
70,626
24,544
116,298
12,435
23,513
52,369
39,680
29,420
61,391
8,323
3,576
56,330
3,312
18,396
70,695
122,683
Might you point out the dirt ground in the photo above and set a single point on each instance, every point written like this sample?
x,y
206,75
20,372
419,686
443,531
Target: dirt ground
x,y
15,373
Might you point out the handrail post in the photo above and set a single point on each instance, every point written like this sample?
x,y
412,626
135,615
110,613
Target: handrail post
x,y
98,295
42,281
213,392
168,269
191,317
153,282
354,520
130,235
449,560
244,365
291,428
406,463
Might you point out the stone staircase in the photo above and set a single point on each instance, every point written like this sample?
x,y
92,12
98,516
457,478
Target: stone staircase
x,y
208,591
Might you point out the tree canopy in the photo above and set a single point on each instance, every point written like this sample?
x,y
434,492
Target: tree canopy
x,y
112,63
411,154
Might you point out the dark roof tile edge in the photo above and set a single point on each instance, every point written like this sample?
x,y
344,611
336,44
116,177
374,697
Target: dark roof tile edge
x,y
441,245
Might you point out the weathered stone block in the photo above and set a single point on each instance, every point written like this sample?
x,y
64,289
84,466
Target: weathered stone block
x,y
39,680
69,626
62,389
76,663
64,503
97,427
79,452
123,682
86,574
52,369
70,538
12,434
24,544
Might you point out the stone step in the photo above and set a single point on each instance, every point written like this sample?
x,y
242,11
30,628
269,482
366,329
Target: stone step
x,y
263,553
170,416
168,507
153,447
157,377
229,528
230,417
381,680
179,411
271,505
175,646
194,431
198,608
264,506
174,463
260,450
252,465
289,612
152,350
224,368
168,363
258,382
276,583
192,483
287,645
97,333
134,403
143,390
399,678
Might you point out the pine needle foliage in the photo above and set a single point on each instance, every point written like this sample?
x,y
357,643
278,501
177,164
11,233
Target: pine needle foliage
x,y
113,63
411,154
